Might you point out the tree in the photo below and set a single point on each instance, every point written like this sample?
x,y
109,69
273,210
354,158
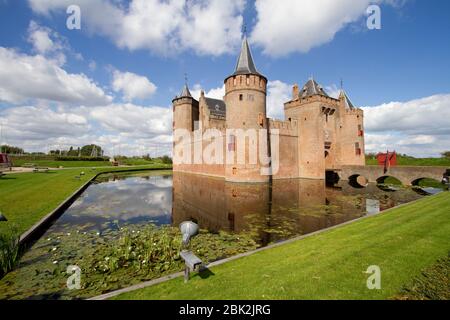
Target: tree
x,y
92,150
446,154
11,149
72,152
166,160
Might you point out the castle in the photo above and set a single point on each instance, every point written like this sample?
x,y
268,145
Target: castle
x,y
320,134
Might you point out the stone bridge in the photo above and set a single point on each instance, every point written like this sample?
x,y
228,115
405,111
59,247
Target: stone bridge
x,y
407,175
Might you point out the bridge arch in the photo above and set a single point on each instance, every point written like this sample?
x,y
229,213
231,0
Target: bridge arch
x,y
358,181
427,182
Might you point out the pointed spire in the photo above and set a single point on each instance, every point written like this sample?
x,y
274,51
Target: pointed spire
x,y
347,102
185,92
245,64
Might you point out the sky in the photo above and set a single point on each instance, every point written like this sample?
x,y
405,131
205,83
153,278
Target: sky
x,y
112,81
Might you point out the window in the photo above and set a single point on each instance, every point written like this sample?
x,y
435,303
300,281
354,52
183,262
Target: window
x,y
360,131
232,143
261,119
357,149
241,97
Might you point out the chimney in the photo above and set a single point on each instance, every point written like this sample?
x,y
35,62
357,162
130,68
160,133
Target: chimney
x,y
295,92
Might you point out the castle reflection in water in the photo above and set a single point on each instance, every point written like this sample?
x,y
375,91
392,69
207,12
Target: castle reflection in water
x,y
278,210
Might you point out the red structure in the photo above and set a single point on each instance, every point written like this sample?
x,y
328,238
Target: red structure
x,y
387,160
5,162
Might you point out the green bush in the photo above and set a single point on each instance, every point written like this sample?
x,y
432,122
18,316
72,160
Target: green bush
x,y
82,158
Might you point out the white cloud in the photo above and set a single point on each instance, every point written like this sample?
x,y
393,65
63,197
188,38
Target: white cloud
x,y
164,27
288,26
132,86
418,127
119,128
133,120
421,116
24,77
215,93
333,91
30,123
278,93
47,43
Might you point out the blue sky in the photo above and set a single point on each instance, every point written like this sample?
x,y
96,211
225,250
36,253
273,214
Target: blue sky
x,y
398,70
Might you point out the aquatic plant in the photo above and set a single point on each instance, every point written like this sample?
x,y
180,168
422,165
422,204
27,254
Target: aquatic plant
x,y
111,260
9,251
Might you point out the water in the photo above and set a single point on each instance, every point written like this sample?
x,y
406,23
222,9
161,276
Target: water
x,y
236,217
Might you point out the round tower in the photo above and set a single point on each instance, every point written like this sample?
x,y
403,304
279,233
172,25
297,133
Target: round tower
x,y
245,98
185,110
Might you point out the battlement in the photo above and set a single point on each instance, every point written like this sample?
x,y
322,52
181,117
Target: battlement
x,y
357,112
246,82
288,128
184,100
316,98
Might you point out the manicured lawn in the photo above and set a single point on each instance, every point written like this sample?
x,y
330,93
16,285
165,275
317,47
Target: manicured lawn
x,y
330,265
410,161
28,197
65,164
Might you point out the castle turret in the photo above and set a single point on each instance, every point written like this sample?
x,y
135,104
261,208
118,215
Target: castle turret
x,y
185,110
245,97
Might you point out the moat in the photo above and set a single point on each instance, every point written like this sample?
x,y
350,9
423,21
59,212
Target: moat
x,y
234,218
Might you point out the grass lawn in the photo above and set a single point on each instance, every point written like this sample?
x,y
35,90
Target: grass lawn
x,y
410,161
65,164
28,197
331,265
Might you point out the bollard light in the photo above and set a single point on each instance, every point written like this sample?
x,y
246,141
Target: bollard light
x,y
2,217
188,229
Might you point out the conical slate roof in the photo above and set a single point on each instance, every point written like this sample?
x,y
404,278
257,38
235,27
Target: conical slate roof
x,y
348,104
312,88
245,64
185,92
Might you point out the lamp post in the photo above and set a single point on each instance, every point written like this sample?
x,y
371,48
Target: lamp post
x,y
189,230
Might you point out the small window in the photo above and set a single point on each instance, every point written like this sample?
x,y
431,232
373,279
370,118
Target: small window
x,y
358,151
232,143
261,119
241,97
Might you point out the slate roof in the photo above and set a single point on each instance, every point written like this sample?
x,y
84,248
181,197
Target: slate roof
x,y
185,93
245,64
348,104
216,107
312,88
